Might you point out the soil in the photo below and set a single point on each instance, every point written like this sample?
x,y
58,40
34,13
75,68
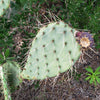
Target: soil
x,y
66,86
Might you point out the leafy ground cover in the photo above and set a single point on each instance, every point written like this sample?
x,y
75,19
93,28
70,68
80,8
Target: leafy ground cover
x,y
19,26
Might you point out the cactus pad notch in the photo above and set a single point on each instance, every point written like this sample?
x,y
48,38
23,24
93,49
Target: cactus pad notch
x,y
53,51
4,4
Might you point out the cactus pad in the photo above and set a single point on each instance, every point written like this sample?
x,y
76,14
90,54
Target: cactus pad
x,y
4,85
12,74
4,4
53,51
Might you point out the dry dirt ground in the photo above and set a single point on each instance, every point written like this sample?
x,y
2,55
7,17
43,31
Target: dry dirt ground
x,y
66,86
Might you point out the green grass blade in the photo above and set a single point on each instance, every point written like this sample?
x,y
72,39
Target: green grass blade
x,y
89,69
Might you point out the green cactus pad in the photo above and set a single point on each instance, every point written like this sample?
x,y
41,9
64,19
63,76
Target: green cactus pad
x,y
53,51
4,4
12,74
4,85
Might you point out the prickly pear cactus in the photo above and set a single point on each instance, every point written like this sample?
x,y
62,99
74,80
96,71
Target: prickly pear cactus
x,y
4,4
53,51
12,74
4,85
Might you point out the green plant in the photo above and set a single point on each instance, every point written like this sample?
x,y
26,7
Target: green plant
x,y
93,76
4,56
97,40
